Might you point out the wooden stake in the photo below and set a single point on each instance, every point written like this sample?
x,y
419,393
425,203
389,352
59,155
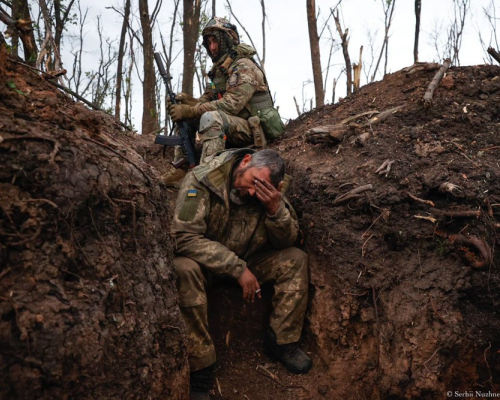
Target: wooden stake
x,y
435,82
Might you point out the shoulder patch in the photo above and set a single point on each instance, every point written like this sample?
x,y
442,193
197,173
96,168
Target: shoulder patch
x,y
233,79
189,205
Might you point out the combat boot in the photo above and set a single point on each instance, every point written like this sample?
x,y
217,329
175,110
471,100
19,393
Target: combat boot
x,y
200,384
293,358
173,178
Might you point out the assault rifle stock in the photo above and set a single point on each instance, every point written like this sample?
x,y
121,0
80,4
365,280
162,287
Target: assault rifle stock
x,y
184,139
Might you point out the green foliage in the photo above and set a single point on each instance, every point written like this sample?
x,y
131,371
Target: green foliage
x,y
12,85
442,247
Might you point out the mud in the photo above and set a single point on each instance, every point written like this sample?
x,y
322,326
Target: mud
x,y
402,306
88,301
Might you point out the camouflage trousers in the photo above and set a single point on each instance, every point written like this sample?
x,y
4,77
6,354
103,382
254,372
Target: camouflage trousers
x,y
216,127
286,268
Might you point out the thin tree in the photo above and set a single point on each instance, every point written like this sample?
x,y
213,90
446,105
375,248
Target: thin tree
x,y
264,16
49,51
315,53
62,16
79,81
345,44
190,30
456,29
230,9
149,116
418,9
388,6
490,14
121,52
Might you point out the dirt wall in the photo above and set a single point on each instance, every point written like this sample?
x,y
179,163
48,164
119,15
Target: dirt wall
x,y
88,301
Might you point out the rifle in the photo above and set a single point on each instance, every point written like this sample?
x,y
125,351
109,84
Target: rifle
x,y
184,139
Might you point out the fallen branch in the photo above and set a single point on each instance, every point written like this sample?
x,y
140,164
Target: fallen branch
x,y
383,115
456,214
435,82
479,245
420,67
90,104
335,133
428,202
495,54
433,220
354,193
268,374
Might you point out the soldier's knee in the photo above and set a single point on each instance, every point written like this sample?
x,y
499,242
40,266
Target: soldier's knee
x,y
297,263
190,282
186,268
211,120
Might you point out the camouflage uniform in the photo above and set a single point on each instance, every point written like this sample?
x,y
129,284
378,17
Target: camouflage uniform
x,y
237,84
215,236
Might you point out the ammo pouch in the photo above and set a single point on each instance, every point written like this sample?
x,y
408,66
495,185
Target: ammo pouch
x,y
262,105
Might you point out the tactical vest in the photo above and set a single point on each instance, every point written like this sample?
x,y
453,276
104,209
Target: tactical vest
x,y
259,100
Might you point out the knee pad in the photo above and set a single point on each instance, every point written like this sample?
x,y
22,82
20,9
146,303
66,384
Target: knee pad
x,y
209,121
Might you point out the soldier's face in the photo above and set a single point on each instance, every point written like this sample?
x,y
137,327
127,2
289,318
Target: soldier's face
x,y
213,46
244,181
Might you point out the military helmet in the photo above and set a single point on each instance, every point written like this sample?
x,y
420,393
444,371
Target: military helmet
x,y
225,33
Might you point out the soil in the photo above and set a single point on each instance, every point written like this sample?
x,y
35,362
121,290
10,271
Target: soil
x,y
403,297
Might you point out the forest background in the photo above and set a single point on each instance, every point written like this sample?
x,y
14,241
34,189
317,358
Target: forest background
x,y
313,52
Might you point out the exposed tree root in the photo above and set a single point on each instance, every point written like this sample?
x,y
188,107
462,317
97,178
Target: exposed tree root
x,y
353,194
470,257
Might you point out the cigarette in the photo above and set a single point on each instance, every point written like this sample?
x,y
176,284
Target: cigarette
x,y
257,291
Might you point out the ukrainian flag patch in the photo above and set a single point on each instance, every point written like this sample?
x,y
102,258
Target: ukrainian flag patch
x,y
192,193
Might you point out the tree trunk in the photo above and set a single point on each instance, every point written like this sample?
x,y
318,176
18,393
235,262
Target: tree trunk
x,y
315,54
15,38
24,29
495,54
345,51
418,9
190,30
263,59
61,16
121,51
357,71
149,117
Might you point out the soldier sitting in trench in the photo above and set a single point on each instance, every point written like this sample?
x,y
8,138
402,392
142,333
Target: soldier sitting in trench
x,y
236,108
231,219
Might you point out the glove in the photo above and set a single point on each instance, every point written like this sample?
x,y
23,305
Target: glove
x,y
178,112
183,98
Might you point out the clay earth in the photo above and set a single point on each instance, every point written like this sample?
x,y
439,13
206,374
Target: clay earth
x,y
400,218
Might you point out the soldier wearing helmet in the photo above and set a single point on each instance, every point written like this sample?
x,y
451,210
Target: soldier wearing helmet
x,y
227,114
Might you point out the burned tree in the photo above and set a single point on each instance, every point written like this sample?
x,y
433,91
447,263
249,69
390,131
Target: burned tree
x,y
418,9
388,6
121,52
191,27
315,53
345,43
149,116
19,25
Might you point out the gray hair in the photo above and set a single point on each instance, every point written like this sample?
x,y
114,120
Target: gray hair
x,y
272,160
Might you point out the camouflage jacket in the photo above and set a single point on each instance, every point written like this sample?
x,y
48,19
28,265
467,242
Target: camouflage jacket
x,y
232,91
218,234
